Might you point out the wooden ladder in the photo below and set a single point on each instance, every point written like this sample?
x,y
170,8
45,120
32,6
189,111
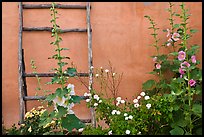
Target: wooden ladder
x,y
21,66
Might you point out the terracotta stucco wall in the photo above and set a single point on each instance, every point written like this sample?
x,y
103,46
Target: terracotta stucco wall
x,y
120,35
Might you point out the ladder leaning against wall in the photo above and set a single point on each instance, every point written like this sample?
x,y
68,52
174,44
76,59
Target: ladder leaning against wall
x,y
21,66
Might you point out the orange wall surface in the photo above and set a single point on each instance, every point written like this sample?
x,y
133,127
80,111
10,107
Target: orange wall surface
x,y
120,35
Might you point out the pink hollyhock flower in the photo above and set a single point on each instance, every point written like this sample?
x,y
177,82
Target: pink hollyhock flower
x,y
193,59
175,36
168,33
186,64
158,66
181,71
192,82
155,59
182,55
169,42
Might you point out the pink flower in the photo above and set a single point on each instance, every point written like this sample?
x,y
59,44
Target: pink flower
x,y
158,66
186,64
175,36
182,55
192,82
193,59
168,33
169,42
155,59
181,71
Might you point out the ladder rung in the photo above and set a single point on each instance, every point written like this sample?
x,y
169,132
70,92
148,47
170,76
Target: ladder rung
x,y
52,74
46,6
86,120
50,29
27,98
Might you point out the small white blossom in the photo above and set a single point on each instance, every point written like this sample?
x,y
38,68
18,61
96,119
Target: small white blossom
x,y
118,98
92,67
88,94
99,101
146,97
87,100
125,114
126,118
118,112
70,111
97,75
117,103
71,86
122,101
106,70
81,129
30,129
148,106
113,112
114,74
142,93
139,133
138,97
96,97
135,101
136,105
127,131
101,67
95,104
110,132
130,117
85,94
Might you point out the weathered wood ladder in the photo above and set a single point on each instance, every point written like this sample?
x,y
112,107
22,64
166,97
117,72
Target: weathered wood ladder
x,y
21,66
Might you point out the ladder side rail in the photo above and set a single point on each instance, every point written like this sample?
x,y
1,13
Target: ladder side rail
x,y
90,59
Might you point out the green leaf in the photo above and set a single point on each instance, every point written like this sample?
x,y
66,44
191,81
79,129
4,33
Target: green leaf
x,y
177,14
61,111
197,108
148,84
177,131
174,53
50,97
164,30
176,25
76,99
193,30
59,92
71,72
71,121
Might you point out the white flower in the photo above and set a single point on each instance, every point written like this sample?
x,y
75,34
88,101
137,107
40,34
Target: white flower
x,y
71,86
136,105
85,94
110,132
106,70
99,101
118,98
92,67
87,100
148,106
96,97
135,101
95,104
101,67
130,117
30,129
97,75
88,94
71,105
70,111
81,129
125,114
118,112
146,97
127,131
139,133
117,103
113,112
126,118
122,101
60,101
142,93
138,97
114,74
